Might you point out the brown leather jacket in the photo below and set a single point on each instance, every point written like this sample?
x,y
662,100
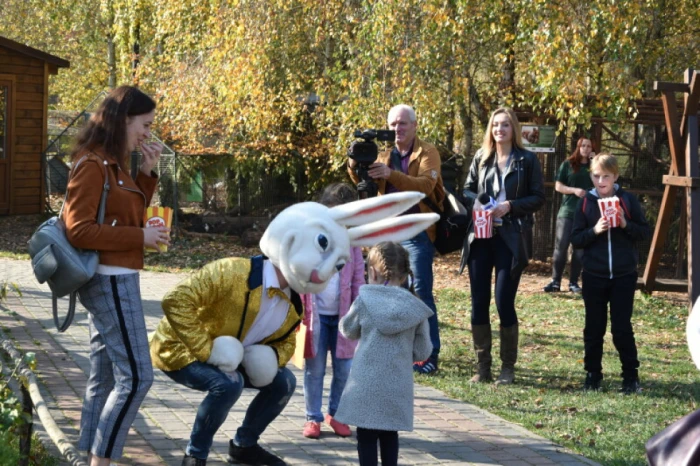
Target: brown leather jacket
x,y
120,238
423,176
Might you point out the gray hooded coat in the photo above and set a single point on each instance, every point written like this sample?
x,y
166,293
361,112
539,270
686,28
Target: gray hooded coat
x,y
392,326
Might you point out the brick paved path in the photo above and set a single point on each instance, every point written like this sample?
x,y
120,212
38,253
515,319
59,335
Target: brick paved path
x,y
446,431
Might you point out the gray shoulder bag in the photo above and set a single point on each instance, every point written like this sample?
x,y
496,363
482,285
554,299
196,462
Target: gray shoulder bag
x,y
57,262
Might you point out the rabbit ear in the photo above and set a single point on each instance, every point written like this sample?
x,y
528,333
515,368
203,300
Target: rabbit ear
x,y
376,208
391,229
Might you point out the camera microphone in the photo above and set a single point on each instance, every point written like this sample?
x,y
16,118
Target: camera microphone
x,y
489,203
484,199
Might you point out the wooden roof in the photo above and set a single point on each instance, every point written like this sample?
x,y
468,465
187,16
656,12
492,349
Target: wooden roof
x,y
32,52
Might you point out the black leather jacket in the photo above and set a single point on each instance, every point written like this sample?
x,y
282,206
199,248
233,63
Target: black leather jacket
x,y
612,254
524,186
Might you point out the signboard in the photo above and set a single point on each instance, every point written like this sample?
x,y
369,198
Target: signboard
x,y
538,138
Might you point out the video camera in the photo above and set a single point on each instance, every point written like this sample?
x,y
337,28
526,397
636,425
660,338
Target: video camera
x,y
364,151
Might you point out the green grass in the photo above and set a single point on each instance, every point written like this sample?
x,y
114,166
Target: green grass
x,y
547,397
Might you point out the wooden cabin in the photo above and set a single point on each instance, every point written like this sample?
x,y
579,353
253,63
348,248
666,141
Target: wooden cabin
x,y
24,94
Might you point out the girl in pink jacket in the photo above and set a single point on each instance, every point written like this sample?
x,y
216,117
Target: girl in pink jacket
x,y
322,312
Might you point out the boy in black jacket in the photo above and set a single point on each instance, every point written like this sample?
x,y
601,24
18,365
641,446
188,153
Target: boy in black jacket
x,y
609,261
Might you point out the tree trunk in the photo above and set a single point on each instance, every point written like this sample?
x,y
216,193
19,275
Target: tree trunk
x,y
111,63
465,146
507,85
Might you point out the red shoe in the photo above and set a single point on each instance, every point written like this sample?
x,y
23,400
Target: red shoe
x,y
339,428
312,429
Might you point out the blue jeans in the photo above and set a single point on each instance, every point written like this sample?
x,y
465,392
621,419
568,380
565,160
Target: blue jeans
x,y
421,252
222,393
315,369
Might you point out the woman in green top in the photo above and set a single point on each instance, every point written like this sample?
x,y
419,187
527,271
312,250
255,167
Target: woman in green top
x,y
573,181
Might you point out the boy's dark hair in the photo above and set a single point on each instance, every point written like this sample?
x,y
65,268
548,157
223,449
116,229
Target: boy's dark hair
x,y
337,194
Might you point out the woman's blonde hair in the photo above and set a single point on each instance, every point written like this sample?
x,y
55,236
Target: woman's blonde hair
x,y
390,260
607,162
488,147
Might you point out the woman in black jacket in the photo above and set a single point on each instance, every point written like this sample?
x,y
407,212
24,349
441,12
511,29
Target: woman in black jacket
x,y
511,175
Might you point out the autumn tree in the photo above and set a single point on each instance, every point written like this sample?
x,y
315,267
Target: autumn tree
x,y
281,85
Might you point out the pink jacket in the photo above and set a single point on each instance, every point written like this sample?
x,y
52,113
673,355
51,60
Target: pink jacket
x,y
352,276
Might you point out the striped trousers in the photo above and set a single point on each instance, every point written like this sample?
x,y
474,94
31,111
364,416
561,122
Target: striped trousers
x,y
120,363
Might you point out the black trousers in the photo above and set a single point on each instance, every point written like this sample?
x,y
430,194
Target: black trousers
x,y
485,255
561,252
367,446
619,292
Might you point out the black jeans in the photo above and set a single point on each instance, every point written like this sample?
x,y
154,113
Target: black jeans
x,y
484,256
619,292
561,252
367,446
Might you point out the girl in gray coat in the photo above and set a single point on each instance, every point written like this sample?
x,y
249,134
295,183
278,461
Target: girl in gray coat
x,y
392,326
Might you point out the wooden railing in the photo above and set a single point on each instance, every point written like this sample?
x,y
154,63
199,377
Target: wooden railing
x,y
32,399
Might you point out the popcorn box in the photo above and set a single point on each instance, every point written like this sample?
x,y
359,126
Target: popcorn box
x,y
483,224
158,217
298,356
610,209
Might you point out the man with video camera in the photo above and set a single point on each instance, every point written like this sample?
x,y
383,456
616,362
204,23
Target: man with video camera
x,y
412,165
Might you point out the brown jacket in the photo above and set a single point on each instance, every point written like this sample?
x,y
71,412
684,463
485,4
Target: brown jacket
x,y
423,176
120,238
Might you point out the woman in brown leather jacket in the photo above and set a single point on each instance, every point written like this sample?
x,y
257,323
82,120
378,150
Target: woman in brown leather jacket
x,y
120,365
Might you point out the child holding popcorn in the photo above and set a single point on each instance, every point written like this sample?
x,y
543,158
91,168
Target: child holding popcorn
x,y
608,223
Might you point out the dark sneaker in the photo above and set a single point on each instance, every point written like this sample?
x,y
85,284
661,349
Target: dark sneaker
x,y
574,288
552,287
630,386
427,367
252,456
593,381
192,461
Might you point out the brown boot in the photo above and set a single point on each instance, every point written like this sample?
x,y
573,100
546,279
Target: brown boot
x,y
482,345
509,354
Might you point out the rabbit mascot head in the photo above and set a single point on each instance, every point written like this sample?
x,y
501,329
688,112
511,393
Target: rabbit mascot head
x,y
309,242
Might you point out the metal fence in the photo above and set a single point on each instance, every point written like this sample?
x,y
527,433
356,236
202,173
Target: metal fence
x,y
641,172
214,185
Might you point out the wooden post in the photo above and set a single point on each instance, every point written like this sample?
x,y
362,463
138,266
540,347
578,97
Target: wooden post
x,y
683,140
681,254
25,436
690,117
668,200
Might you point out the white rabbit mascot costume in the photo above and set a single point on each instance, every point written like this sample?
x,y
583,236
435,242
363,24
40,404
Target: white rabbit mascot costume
x,y
237,316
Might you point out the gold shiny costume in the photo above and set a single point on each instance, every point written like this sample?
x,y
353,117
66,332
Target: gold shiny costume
x,y
222,298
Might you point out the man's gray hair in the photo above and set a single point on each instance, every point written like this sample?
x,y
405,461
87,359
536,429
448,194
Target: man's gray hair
x,y
400,107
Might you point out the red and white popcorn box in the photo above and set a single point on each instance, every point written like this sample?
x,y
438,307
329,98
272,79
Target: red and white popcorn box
x,y
610,209
483,224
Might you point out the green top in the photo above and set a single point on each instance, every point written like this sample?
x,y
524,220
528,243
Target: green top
x,y
582,179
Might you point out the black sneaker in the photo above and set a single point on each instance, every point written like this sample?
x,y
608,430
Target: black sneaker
x,y
252,456
192,461
630,386
552,287
427,367
574,288
593,380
